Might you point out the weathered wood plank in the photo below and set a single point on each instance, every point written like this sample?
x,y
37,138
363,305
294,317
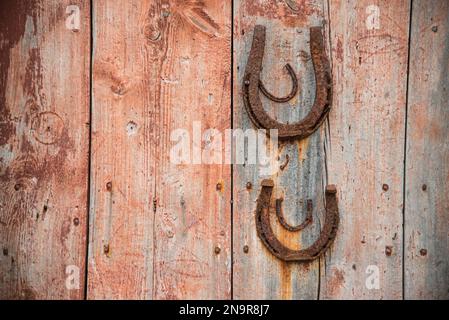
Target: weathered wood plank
x,y
365,155
44,139
193,215
427,162
123,152
159,66
257,273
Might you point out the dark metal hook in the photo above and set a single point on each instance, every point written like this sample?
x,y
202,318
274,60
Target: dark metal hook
x,y
292,92
268,237
323,96
308,220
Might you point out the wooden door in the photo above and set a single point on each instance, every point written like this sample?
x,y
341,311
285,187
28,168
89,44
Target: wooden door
x,y
116,180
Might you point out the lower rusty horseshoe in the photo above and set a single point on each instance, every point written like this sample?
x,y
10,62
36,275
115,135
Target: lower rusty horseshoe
x,y
323,96
308,220
268,237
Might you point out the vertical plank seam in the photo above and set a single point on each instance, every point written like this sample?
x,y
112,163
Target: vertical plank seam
x,y
89,148
232,150
327,137
153,229
404,177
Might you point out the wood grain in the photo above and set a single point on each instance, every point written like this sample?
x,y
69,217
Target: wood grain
x,y
365,153
44,114
158,66
427,159
192,258
257,273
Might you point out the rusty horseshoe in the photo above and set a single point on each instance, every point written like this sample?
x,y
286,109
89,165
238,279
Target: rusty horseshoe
x,y
252,84
298,130
268,237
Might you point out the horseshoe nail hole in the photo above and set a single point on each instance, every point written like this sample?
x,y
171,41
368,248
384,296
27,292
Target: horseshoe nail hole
x,y
154,35
131,128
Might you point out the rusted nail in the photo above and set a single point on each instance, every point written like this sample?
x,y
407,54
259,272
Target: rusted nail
x,y
423,252
154,204
106,249
385,187
217,250
109,186
388,250
17,187
219,186
76,221
5,251
245,249
284,165
435,28
424,187
249,185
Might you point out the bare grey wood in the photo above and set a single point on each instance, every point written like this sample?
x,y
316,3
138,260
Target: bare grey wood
x,y
365,148
427,163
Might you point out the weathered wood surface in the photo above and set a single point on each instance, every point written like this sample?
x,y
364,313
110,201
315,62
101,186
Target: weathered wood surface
x,y
158,66
161,230
44,114
365,153
427,158
257,273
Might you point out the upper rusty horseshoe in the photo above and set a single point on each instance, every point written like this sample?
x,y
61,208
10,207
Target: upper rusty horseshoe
x,y
323,96
268,237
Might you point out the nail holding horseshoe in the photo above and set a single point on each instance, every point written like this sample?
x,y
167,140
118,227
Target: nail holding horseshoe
x,y
298,130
